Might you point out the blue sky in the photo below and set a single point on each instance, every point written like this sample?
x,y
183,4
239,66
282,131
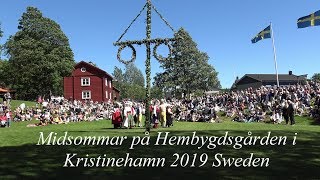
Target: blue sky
x,y
223,29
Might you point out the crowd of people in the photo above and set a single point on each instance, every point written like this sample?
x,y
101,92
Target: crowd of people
x,y
5,112
128,114
265,104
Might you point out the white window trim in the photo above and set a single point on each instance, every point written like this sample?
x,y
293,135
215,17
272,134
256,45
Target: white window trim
x,y
109,84
110,95
83,69
82,95
82,80
107,95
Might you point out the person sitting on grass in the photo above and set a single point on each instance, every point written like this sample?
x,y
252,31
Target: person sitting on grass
x,y
276,117
230,113
57,119
28,116
239,117
261,115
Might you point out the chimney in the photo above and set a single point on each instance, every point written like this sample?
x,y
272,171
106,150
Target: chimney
x,y
290,72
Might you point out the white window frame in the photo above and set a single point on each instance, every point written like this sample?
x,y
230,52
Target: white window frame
x,y
83,69
84,83
110,95
85,96
106,94
110,84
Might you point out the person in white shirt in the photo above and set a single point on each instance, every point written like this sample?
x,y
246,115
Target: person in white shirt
x,y
128,118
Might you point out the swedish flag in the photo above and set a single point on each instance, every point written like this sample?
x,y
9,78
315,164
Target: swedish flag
x,y
310,20
266,33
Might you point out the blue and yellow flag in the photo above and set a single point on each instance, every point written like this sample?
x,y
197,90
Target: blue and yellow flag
x,y
266,33
310,20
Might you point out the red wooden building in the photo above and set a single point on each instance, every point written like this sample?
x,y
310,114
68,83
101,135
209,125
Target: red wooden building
x,y
88,82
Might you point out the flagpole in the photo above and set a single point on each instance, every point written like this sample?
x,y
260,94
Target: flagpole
x,y
274,55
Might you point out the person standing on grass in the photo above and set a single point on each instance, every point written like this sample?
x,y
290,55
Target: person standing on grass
x,y
285,111
163,111
117,116
8,98
128,118
291,111
9,117
139,114
154,112
169,115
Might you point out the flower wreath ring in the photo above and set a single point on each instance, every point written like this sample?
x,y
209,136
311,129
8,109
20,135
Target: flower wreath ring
x,y
133,56
159,57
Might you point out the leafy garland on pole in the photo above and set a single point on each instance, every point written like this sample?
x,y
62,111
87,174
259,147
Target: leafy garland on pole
x,y
148,69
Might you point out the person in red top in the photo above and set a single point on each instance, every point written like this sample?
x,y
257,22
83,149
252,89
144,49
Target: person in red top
x,y
117,117
3,120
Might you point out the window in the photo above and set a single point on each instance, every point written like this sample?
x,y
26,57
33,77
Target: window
x,y
83,69
110,97
85,81
86,94
106,94
108,83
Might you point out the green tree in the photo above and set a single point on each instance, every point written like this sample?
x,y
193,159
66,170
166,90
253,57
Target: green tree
x,y
118,81
156,93
188,71
130,83
133,75
316,77
39,56
118,74
3,65
4,73
1,35
1,32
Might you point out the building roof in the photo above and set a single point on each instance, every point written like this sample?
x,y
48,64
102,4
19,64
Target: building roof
x,y
5,90
265,78
114,88
81,63
282,77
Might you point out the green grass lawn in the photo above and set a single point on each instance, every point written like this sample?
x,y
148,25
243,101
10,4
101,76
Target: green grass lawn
x,y
16,103
21,158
